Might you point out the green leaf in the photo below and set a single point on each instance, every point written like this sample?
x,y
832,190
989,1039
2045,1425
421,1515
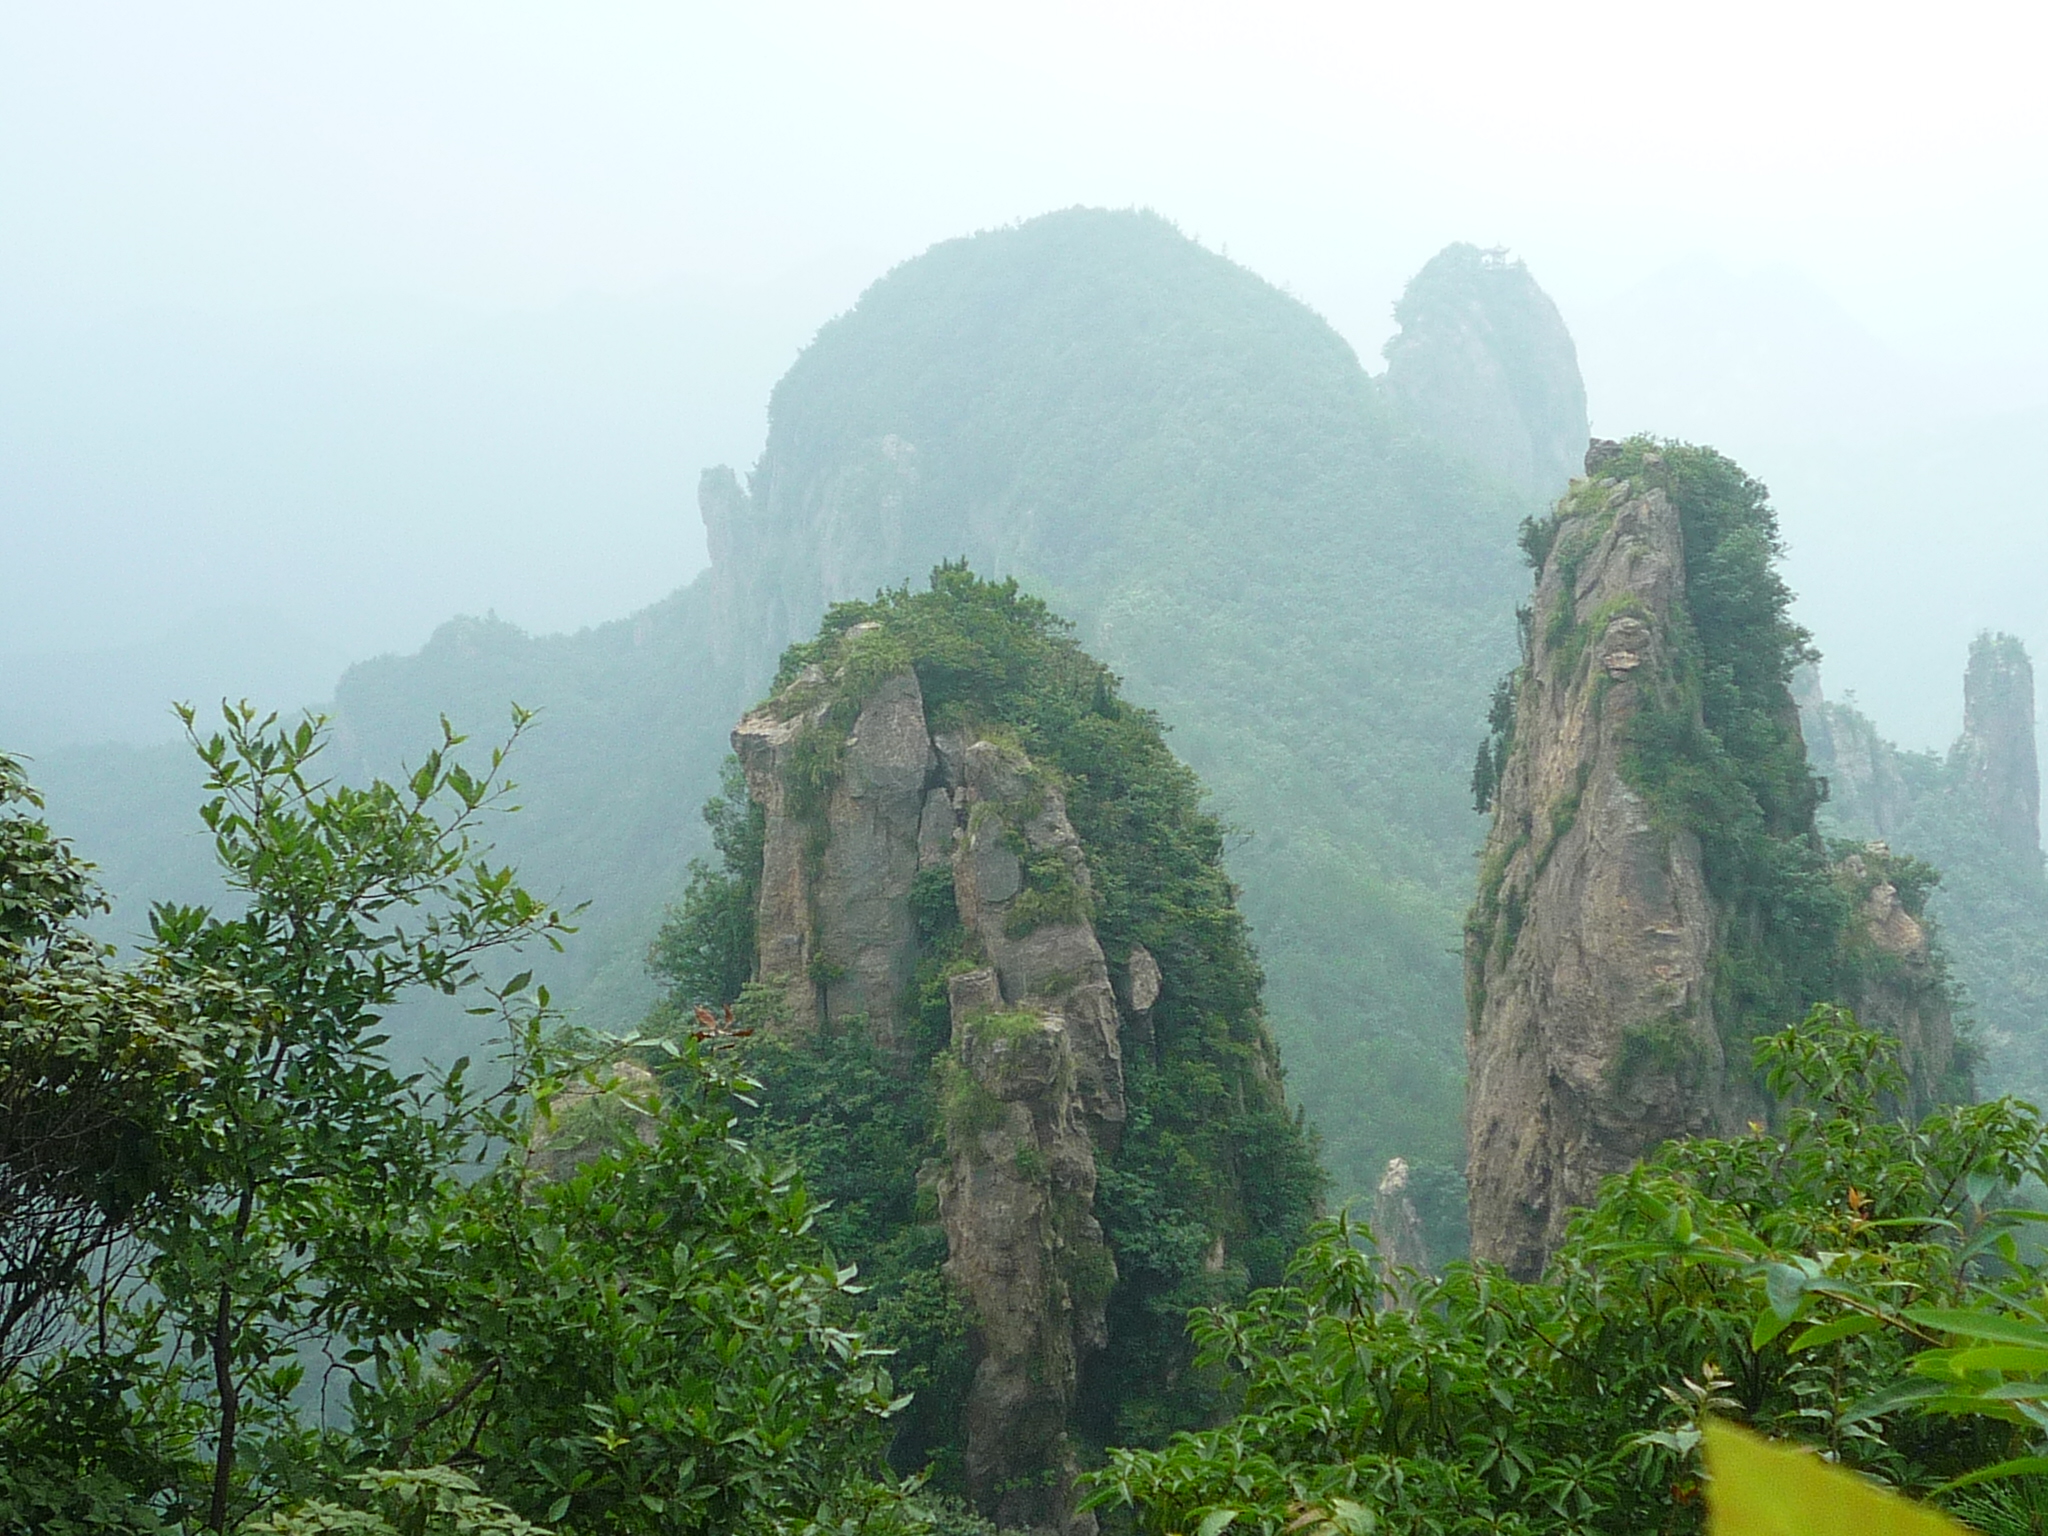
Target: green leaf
x,y
2000,1357
1762,1489
1769,1324
1783,1286
2019,1466
1216,1522
1995,1326
1840,1328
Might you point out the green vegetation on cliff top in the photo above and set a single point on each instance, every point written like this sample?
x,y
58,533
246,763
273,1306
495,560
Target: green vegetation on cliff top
x,y
1208,1147
1716,747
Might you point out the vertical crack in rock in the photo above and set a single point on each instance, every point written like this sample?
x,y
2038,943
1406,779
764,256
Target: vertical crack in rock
x,y
834,923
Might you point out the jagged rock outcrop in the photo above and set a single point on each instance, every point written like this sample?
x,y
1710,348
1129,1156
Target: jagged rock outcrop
x,y
1483,361
1219,494
1900,987
1996,753
1592,1033
1974,817
1017,1200
1034,1086
834,926
1865,788
1655,890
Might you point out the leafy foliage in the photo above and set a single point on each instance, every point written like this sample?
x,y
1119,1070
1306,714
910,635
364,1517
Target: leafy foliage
x,y
704,952
1773,1277
533,1322
91,1057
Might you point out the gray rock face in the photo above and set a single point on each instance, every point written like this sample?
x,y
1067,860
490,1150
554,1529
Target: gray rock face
x,y
1397,1230
1054,964
766,741
1903,995
834,924
1865,787
1023,1243
1035,1085
1591,1033
1145,979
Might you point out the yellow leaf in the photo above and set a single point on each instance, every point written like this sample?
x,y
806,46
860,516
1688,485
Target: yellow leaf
x,y
1764,1489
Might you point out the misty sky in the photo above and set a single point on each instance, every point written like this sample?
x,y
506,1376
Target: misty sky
x,y
320,323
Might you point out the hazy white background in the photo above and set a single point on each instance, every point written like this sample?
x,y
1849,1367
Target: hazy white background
x,y
320,323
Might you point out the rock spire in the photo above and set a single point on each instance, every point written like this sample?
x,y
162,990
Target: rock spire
x,y
1033,1086
1653,812
1996,751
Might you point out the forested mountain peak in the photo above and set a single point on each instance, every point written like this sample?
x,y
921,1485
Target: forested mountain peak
x,y
1312,588
1483,361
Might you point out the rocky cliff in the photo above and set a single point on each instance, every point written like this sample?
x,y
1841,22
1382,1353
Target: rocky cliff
x,y
922,848
1199,471
1593,1034
1654,890
1973,816
1996,754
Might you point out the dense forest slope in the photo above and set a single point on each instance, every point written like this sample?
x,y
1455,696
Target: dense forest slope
x,y
1308,572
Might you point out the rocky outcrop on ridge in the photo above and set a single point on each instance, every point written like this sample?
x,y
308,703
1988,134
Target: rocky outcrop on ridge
x,y
1902,988
1974,816
1591,1035
834,927
1654,817
1397,1230
1483,362
1033,1087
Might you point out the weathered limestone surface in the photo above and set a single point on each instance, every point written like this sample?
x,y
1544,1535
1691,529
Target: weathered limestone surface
x,y
1058,965
1397,1230
834,923
1997,745
1024,1244
1903,994
1591,1034
1036,1090
786,944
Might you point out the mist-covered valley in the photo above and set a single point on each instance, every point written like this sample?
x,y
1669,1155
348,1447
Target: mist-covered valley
x,y
847,773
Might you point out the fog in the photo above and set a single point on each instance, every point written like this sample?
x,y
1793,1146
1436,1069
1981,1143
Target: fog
x,y
319,325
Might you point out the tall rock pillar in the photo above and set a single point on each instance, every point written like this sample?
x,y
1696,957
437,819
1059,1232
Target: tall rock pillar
x,y
1591,1033
1997,747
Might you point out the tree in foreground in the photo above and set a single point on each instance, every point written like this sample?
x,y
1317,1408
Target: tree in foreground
x,y
272,1284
